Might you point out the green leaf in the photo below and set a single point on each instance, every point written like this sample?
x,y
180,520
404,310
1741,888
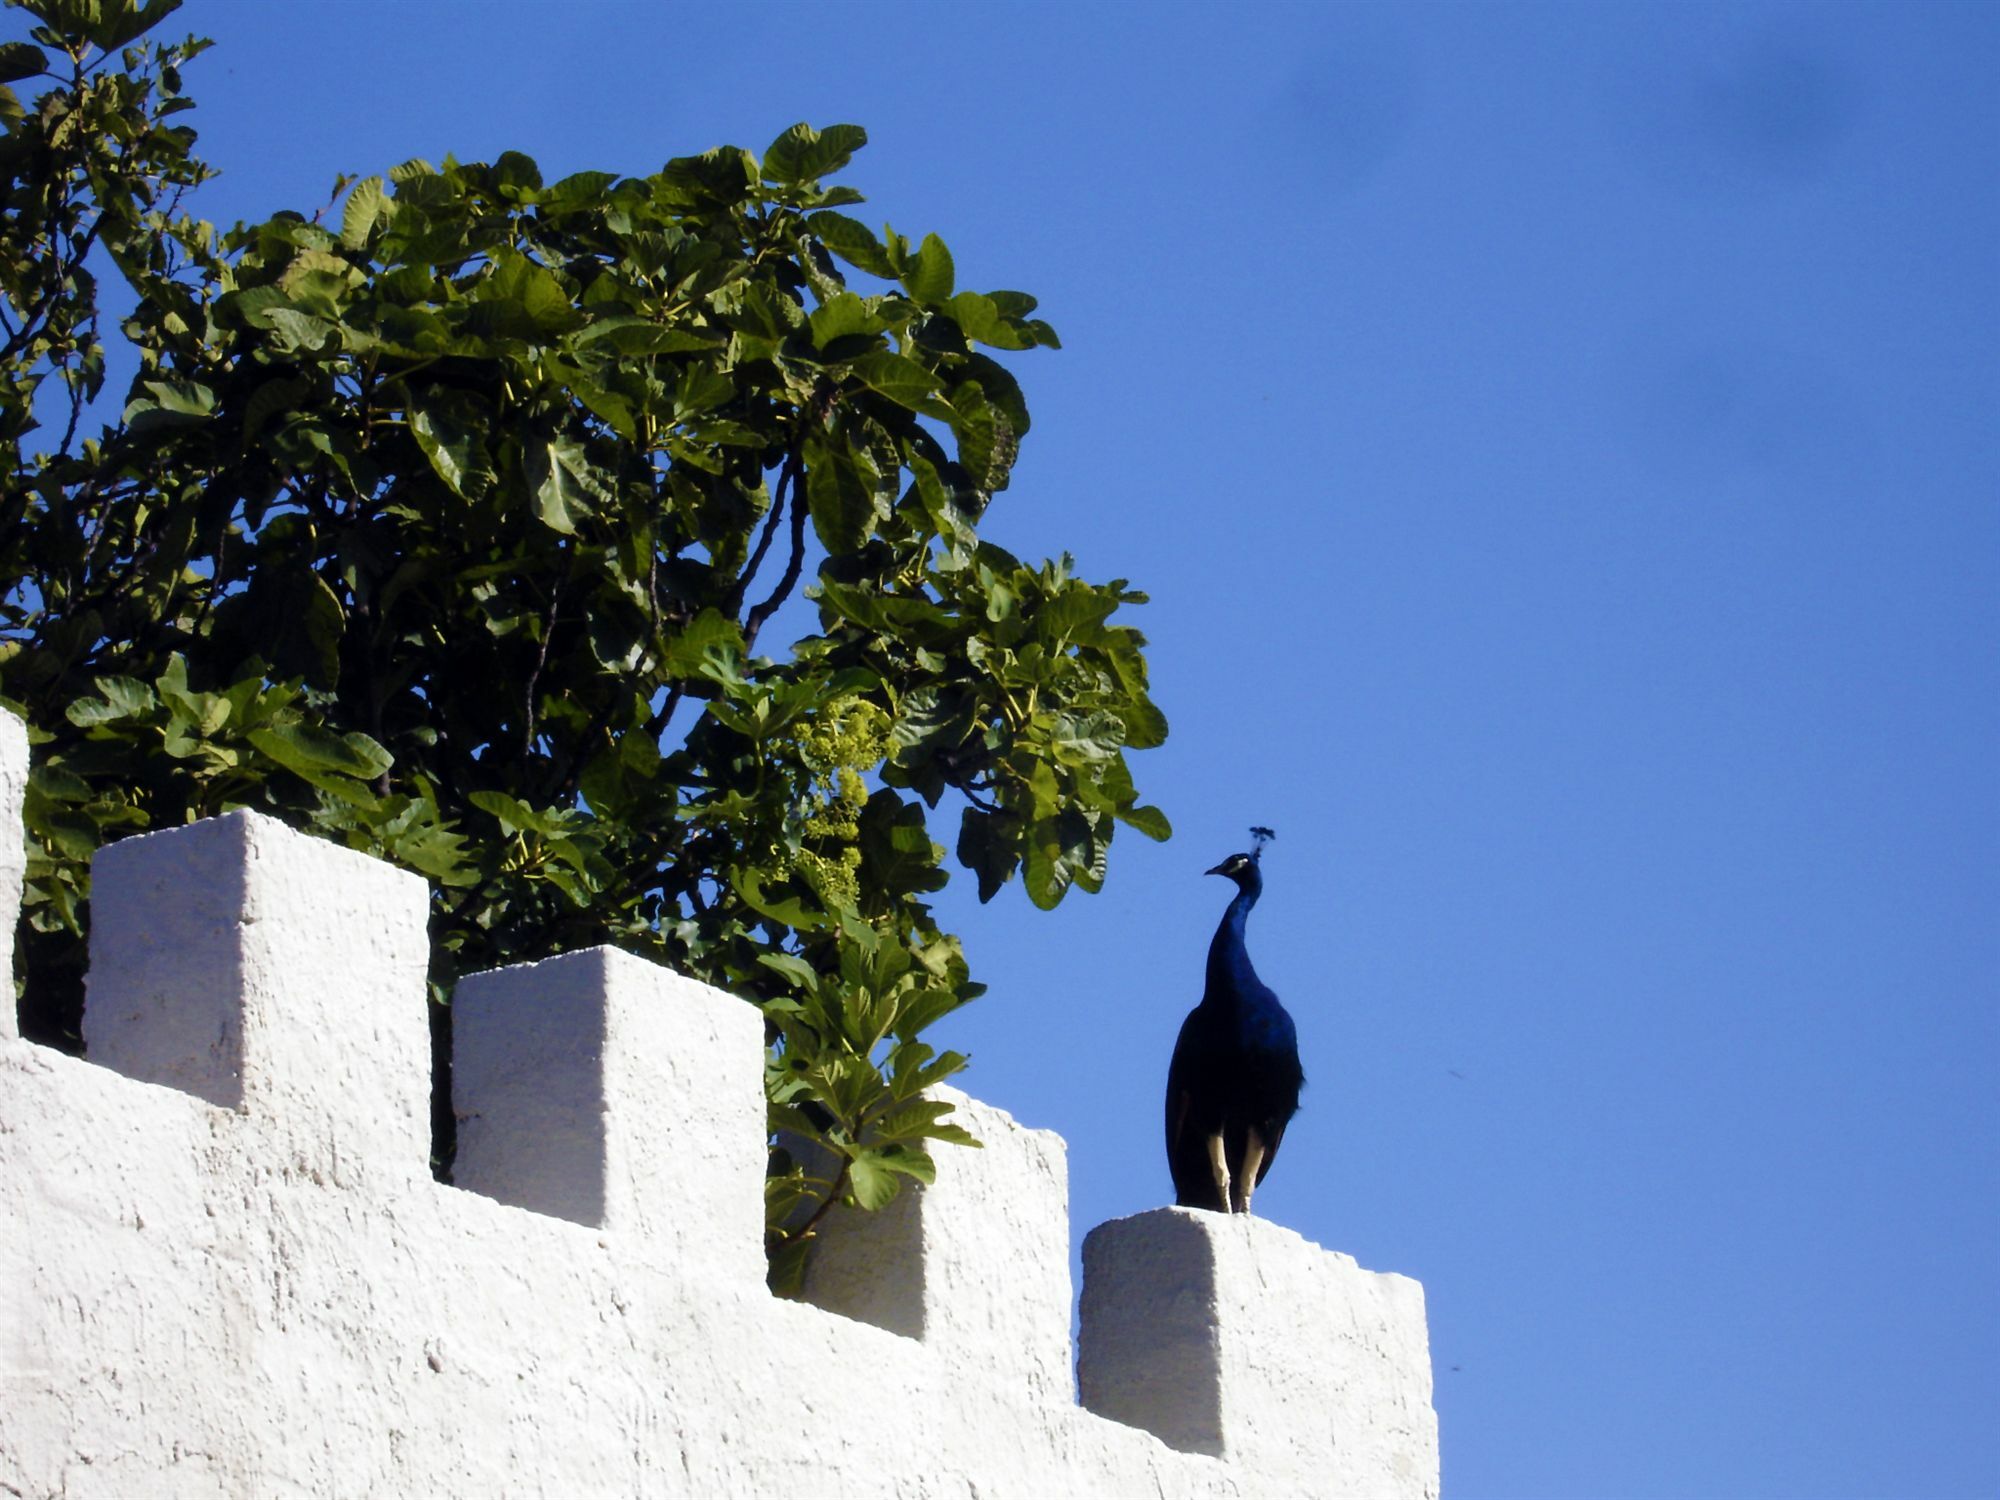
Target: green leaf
x,y
803,154
987,847
630,334
566,483
323,621
365,202
579,190
762,313
308,748
320,282
1145,725
72,834
903,381
913,1120
710,645
701,389
914,1069
786,911
58,785
300,331
897,853
271,399
871,1180
117,698
18,60
999,388
843,316
723,176
794,968
1080,739
514,815
1047,865
111,27
1148,820
851,240
526,300
928,276
453,446
841,501
789,1193
979,318
170,403
786,1274
988,442
618,633
517,177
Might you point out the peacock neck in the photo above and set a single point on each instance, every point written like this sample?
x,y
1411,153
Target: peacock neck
x,y
1230,976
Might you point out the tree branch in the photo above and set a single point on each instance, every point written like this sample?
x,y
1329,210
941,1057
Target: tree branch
x,y
541,660
31,317
833,1192
657,725
77,400
785,483
754,622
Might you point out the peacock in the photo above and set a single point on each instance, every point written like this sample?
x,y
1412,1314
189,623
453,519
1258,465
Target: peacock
x,y
1235,1078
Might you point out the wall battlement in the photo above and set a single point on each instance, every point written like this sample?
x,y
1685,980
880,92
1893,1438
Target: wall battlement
x,y
226,1270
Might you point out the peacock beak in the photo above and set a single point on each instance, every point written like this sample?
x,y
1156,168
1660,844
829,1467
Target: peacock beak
x,y
1221,869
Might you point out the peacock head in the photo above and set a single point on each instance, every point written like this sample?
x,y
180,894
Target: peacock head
x,y
1242,868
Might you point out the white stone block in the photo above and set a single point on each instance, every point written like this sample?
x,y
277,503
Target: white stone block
x,y
263,970
13,857
1231,1336
975,1265
603,1089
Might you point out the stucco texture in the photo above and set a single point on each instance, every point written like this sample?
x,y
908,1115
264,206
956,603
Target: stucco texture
x,y
226,1270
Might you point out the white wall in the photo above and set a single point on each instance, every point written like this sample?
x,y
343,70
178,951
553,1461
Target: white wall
x,y
225,1269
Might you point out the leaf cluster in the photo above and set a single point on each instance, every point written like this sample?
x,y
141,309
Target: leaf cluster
x,y
447,522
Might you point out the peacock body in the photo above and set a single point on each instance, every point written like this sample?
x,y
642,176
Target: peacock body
x,y
1233,1085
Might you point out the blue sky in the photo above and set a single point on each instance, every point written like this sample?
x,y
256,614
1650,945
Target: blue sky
x,y
1562,444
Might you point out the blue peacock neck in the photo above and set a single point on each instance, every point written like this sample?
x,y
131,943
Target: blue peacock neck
x,y
1230,976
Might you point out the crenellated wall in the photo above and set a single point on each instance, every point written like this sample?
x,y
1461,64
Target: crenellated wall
x,y
225,1269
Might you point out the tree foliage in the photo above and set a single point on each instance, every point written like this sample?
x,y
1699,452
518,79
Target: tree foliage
x,y
447,523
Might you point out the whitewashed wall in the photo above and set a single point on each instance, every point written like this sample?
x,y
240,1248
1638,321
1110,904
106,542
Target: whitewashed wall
x,y
225,1269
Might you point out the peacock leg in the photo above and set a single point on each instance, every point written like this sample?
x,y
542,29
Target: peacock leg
x,y
1253,1163
1218,1164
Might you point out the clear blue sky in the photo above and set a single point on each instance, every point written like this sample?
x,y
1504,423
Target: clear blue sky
x,y
1562,444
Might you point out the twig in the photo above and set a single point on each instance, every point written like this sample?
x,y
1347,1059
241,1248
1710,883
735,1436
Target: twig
x,y
76,397
541,659
832,1197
